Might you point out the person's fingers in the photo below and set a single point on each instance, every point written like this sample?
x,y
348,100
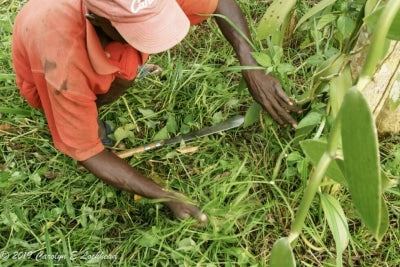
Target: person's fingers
x,y
284,100
269,107
279,113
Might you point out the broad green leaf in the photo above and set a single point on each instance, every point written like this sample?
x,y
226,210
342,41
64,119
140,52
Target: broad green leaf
x,y
361,162
315,10
337,223
252,114
273,23
282,254
394,30
161,135
313,149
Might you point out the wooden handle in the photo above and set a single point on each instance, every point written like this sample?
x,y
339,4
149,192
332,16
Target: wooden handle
x,y
140,149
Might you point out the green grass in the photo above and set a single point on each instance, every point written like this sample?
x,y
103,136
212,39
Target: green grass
x,y
50,208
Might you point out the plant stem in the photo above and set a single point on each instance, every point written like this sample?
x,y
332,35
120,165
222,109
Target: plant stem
x,y
315,180
309,194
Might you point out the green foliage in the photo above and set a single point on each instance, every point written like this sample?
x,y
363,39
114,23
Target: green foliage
x,y
324,4
353,131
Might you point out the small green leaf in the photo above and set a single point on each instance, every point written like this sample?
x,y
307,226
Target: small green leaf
x,y
345,26
161,135
172,126
308,123
325,20
252,114
70,208
282,254
146,112
217,117
285,68
187,244
35,178
262,58
314,149
147,240
337,223
123,132
361,162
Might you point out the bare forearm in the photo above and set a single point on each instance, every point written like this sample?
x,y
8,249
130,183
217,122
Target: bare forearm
x,y
117,88
231,10
116,172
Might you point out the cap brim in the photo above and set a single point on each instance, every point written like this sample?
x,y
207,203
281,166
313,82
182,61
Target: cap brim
x,y
158,33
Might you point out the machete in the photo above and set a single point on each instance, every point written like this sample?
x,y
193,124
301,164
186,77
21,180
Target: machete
x,y
230,123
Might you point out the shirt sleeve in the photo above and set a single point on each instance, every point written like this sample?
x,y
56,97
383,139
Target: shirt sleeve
x,y
72,121
198,10
69,102
58,75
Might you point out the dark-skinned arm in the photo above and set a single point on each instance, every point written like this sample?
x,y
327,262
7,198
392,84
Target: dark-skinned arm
x,y
264,88
118,173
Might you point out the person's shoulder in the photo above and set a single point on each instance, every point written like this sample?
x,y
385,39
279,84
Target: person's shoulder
x,y
52,14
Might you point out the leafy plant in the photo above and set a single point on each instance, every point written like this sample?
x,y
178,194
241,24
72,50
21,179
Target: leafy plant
x,y
350,155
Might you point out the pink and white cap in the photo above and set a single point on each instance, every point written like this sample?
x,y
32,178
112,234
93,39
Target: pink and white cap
x,y
150,26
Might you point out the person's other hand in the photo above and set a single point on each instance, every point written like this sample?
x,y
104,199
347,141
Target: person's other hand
x,y
268,92
183,209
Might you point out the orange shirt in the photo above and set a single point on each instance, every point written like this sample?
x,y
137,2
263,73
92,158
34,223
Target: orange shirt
x,y
61,66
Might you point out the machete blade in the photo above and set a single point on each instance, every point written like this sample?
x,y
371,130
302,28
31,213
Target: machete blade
x,y
230,123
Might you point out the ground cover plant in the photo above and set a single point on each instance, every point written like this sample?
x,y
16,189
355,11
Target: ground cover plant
x,y
250,181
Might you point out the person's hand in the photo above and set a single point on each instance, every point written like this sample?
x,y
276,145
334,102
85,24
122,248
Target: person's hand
x,y
268,92
183,209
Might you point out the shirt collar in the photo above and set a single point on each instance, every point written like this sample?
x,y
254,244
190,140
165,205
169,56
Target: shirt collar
x,y
96,53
